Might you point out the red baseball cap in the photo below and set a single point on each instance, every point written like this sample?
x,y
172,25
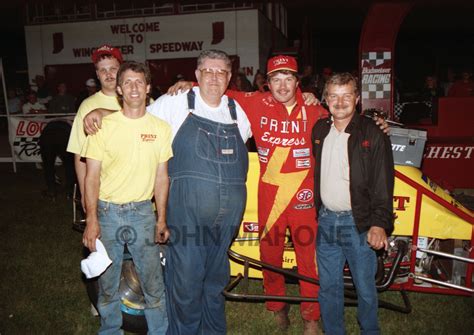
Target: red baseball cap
x,y
106,50
282,62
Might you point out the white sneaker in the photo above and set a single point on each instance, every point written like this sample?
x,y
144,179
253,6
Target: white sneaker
x,y
94,311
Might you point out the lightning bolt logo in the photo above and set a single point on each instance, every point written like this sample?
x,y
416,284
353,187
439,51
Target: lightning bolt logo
x,y
288,184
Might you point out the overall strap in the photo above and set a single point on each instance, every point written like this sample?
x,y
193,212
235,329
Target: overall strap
x,y
191,99
232,109
231,104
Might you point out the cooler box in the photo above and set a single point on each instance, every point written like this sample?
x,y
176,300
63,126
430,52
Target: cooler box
x,y
407,146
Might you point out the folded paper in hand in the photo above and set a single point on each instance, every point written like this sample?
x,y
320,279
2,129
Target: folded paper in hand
x,y
97,262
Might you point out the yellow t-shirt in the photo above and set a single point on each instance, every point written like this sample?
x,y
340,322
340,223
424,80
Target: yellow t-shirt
x,y
98,100
130,151
289,109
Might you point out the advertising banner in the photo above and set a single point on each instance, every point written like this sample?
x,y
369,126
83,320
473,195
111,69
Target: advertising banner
x,y
376,80
25,133
377,47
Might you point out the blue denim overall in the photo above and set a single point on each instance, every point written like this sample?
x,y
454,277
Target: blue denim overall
x,y
205,207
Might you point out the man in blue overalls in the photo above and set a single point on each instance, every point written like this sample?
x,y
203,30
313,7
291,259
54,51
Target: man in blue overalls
x,y
207,195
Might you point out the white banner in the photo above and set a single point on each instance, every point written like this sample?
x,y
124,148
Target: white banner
x,y
25,133
150,38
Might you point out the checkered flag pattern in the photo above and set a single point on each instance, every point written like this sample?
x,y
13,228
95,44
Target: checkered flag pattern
x,y
398,108
25,140
376,58
375,91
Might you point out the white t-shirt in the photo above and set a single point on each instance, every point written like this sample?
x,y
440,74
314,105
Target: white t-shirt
x,y
174,110
27,107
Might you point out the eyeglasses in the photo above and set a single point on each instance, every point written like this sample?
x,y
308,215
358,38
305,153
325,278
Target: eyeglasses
x,y
219,73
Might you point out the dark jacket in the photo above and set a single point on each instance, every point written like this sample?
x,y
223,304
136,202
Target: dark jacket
x,y
371,171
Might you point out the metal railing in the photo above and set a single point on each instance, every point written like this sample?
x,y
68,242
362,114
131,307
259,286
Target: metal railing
x,y
244,293
37,14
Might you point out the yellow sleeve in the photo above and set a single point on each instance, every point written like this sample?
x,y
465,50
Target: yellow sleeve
x,y
94,146
166,151
78,136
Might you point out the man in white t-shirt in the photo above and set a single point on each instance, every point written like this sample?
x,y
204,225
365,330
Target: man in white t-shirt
x,y
33,106
207,194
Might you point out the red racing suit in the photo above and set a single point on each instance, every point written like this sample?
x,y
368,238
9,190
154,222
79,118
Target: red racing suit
x,y
285,190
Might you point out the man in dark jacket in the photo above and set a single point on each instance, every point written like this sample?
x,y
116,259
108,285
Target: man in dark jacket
x,y
354,179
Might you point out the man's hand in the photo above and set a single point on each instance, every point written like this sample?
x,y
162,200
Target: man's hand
x,y
91,233
377,238
380,121
93,122
180,85
162,232
310,99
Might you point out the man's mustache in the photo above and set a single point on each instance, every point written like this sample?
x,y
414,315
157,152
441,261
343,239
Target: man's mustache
x,y
341,106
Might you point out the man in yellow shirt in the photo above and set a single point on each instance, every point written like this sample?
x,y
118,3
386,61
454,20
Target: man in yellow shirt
x,y
107,61
207,199
127,163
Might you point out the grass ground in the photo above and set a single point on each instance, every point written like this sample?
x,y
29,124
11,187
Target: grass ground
x,y
42,291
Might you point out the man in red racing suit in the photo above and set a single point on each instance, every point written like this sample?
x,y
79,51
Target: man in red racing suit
x,y
281,125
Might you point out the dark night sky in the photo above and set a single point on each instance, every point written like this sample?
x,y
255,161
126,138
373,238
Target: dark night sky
x,y
435,34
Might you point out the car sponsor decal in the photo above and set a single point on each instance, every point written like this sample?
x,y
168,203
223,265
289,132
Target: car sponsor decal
x,y
303,163
263,151
301,152
305,195
250,227
303,206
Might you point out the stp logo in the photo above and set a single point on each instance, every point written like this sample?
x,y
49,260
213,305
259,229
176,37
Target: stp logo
x,y
305,195
250,227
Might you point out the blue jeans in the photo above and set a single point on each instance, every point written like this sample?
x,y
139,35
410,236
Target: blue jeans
x,y
339,240
133,225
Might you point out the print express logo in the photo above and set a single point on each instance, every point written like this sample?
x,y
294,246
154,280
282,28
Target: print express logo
x,y
280,61
148,137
